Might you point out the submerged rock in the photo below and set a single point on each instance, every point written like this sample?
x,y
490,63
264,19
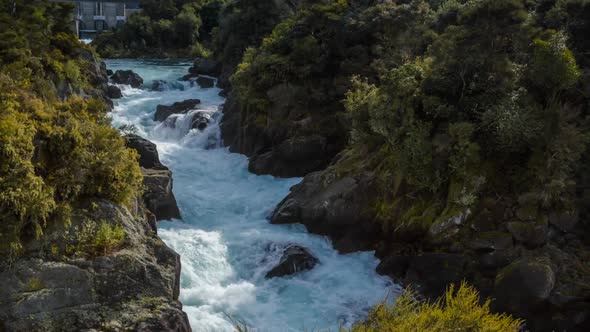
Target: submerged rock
x,y
114,92
161,85
200,120
127,77
163,111
294,259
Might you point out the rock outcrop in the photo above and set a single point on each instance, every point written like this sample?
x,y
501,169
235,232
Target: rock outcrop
x,y
283,146
294,259
114,92
333,207
164,111
127,77
205,82
157,179
59,285
201,66
526,265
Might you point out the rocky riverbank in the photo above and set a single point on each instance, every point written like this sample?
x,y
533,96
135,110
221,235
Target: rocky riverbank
x,y
80,249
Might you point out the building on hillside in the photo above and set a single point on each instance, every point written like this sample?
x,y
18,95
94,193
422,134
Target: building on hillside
x,y
92,17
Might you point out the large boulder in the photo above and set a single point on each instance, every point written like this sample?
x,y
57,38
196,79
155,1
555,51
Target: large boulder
x,y
164,111
294,259
531,233
157,180
205,82
114,92
333,207
127,77
158,195
524,285
200,120
205,67
148,152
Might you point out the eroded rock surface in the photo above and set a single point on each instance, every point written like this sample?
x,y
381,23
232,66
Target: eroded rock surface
x,y
59,285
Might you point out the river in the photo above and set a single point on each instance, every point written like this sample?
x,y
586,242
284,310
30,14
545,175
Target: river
x,y
225,240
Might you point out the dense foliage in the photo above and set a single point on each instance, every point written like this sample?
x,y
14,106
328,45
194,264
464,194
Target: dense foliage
x,y
54,152
176,27
453,99
459,310
486,108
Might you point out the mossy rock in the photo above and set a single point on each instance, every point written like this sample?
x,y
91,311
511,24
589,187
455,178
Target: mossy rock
x,y
524,284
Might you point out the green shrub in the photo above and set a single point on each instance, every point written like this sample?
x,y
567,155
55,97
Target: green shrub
x,y
99,238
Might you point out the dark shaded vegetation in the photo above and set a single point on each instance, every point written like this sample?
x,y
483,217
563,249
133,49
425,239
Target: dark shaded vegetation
x,y
57,148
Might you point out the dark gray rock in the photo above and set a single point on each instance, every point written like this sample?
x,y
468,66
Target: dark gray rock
x,y
564,221
489,241
293,157
158,195
200,120
523,285
133,288
335,208
109,72
205,67
164,111
205,82
531,233
157,180
114,92
148,152
127,77
294,259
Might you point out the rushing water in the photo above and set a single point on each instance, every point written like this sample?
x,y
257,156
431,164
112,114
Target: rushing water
x,y
225,239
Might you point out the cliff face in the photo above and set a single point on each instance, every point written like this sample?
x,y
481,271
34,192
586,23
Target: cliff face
x,y
106,268
133,286
79,249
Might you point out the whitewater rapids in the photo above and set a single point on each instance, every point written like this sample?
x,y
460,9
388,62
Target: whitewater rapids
x,y
224,237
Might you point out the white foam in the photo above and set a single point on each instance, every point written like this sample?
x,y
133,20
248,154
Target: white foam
x,y
224,237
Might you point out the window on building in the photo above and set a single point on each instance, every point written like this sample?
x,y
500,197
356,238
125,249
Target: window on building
x,y
98,9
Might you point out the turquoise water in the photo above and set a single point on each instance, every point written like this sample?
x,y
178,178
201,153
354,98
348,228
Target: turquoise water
x,y
224,236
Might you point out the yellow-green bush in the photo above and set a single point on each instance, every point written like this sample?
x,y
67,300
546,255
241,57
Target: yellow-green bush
x,y
459,310
53,154
99,238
